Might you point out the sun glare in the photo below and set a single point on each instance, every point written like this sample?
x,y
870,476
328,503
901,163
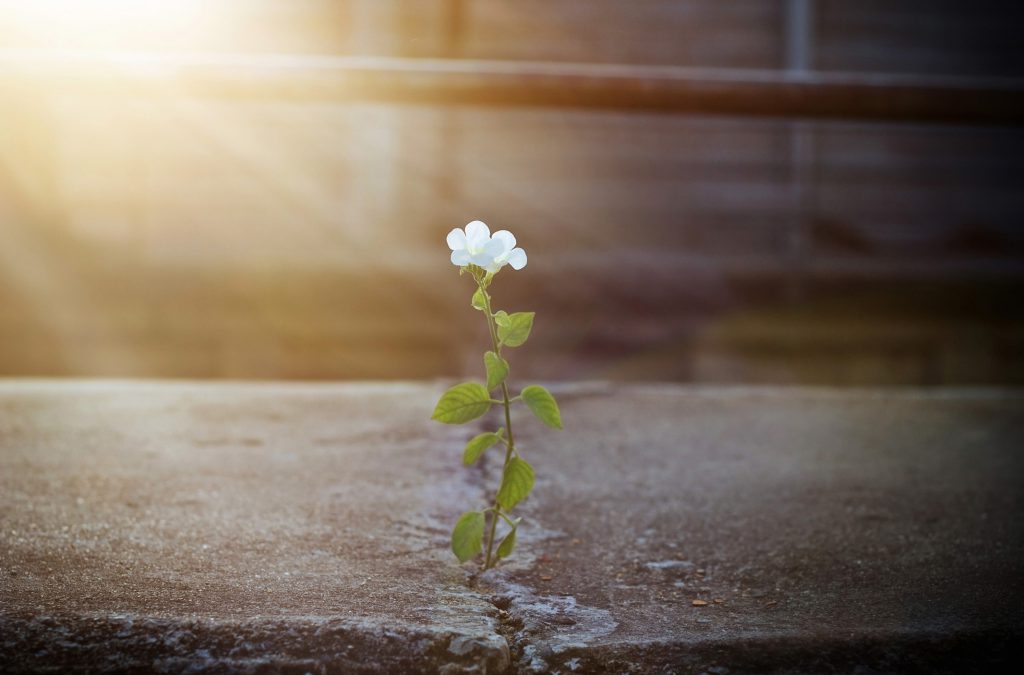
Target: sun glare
x,y
103,25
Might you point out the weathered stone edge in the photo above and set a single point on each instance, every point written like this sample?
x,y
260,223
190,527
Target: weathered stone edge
x,y
130,643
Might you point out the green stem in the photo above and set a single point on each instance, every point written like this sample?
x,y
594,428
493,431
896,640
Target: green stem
x,y
510,444
504,516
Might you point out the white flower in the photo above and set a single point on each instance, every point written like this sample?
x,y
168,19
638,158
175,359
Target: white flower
x,y
477,246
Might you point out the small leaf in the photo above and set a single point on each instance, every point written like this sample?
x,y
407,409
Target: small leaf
x,y
516,483
478,300
477,445
468,535
517,330
501,318
462,403
497,369
509,542
543,405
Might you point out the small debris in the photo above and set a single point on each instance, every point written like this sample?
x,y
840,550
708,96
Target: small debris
x,y
546,577
576,542
699,603
719,601
684,565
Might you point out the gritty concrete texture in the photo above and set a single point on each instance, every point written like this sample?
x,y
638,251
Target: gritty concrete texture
x,y
304,528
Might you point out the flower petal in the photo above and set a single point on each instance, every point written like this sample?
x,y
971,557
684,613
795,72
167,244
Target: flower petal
x,y
495,247
460,257
481,258
456,239
477,234
517,259
506,237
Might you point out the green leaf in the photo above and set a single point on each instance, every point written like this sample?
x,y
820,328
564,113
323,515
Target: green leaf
x,y
543,405
508,542
516,483
477,445
497,369
462,403
517,330
478,300
468,535
501,318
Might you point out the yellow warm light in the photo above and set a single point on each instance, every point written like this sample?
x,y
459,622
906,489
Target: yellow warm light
x,y
101,24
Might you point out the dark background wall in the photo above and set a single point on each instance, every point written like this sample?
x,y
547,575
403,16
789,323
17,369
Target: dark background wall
x,y
184,236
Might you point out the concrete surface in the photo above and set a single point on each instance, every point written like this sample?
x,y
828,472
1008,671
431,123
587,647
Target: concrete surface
x,y
304,528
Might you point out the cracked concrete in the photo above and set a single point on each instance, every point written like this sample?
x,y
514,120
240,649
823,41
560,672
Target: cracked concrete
x,y
304,527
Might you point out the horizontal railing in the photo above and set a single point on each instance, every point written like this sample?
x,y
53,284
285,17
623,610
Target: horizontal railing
x,y
659,89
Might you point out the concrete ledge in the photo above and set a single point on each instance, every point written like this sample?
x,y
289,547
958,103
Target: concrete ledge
x,y
303,527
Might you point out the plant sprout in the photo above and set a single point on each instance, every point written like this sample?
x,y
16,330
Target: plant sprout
x,y
482,255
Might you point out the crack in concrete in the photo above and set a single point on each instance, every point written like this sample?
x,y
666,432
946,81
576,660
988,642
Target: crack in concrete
x,y
540,633
544,632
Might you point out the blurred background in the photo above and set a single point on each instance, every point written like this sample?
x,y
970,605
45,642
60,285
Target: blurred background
x,y
246,189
